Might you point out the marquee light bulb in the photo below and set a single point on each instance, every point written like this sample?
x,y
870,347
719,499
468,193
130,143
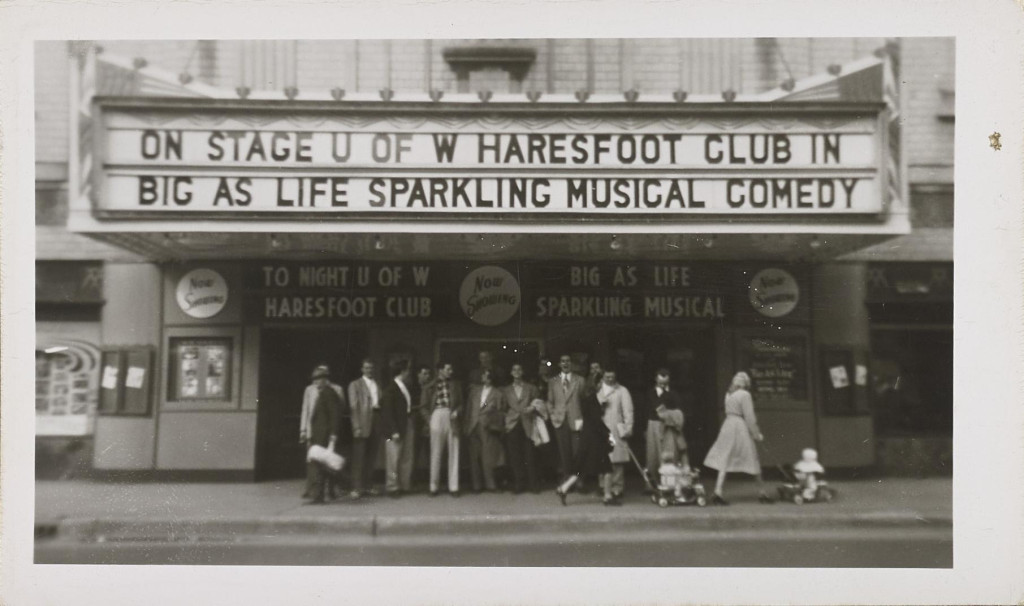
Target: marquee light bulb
x,y
709,242
615,244
378,243
815,243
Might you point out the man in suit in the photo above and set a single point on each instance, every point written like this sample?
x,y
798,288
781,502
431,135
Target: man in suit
x,y
397,428
660,396
442,406
322,429
364,400
424,375
483,425
520,423
309,396
564,410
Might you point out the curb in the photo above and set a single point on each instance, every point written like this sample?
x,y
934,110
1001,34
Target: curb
x,y
270,528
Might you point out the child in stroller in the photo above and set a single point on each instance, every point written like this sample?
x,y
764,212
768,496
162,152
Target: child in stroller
x,y
678,483
809,486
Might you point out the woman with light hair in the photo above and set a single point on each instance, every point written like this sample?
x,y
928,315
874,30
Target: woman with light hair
x,y
734,450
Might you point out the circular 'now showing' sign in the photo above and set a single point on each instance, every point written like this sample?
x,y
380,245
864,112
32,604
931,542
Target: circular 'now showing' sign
x,y
489,295
202,293
774,292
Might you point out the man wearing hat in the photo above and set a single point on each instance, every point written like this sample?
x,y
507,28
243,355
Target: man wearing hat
x,y
310,400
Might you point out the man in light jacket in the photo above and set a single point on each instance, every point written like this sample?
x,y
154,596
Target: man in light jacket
x,y
364,400
320,374
483,427
618,418
564,410
520,427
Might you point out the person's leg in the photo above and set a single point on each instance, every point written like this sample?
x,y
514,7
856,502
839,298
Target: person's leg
x,y
392,451
453,461
407,458
438,442
489,457
358,465
618,479
562,443
475,458
653,446
374,446
530,454
566,485
318,484
515,446
574,447
720,483
606,484
310,480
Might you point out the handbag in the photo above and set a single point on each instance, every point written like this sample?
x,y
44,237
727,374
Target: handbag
x,y
328,458
540,432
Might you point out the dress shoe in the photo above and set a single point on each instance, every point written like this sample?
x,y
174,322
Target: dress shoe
x,y
717,499
611,502
394,494
434,493
315,501
355,494
454,493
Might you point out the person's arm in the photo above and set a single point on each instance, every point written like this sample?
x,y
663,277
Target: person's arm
x,y
304,416
747,404
353,398
627,412
333,421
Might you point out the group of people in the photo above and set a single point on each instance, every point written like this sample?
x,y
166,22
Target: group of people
x,y
506,421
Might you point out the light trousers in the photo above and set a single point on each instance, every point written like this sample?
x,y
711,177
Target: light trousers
x,y
442,439
398,460
616,480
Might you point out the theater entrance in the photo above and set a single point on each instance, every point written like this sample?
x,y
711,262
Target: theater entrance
x,y
689,355
287,358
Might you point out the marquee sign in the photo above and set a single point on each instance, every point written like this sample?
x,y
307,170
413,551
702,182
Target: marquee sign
x,y
202,161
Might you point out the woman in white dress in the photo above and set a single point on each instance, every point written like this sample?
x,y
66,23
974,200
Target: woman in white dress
x,y
734,450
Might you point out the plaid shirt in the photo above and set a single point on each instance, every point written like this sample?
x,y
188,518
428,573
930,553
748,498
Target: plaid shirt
x,y
442,399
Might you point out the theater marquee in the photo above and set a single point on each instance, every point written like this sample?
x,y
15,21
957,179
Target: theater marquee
x,y
291,163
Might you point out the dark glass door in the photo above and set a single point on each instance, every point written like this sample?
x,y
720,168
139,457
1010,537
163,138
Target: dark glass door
x,y
689,355
287,358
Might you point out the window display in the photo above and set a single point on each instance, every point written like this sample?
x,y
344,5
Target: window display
x,y
200,369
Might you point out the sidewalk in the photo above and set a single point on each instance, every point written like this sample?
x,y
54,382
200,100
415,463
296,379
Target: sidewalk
x,y
91,510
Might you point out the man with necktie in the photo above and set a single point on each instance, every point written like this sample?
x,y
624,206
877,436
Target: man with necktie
x,y
661,396
364,399
564,412
398,429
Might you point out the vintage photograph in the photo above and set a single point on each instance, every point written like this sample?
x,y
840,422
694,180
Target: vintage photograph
x,y
539,302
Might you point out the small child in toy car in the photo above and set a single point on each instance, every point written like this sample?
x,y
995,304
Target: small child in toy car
x,y
808,472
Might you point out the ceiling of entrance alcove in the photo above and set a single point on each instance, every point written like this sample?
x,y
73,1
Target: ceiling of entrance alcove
x,y
476,246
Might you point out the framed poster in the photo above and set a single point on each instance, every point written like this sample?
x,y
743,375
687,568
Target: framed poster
x,y
777,365
200,369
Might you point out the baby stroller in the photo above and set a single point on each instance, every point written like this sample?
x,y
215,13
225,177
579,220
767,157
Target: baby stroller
x,y
664,492
806,484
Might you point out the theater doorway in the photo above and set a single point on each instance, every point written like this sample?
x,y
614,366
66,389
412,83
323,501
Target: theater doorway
x,y
287,357
689,355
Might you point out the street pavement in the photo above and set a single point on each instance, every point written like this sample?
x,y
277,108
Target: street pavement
x,y
877,522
